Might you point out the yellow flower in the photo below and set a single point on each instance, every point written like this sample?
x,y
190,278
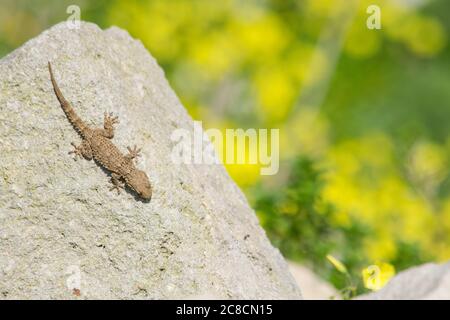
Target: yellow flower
x,y
337,264
245,175
376,276
276,93
383,247
424,36
215,54
327,8
362,42
261,38
428,162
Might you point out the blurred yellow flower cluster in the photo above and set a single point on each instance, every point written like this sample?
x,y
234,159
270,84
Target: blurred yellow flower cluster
x,y
209,45
366,182
423,35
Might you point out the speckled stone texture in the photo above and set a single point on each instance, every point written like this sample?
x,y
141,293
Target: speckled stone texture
x,y
64,235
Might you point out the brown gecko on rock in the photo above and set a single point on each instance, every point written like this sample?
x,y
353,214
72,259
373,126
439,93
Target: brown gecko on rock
x,y
98,146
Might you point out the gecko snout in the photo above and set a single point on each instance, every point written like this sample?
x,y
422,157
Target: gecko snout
x,y
146,192
140,183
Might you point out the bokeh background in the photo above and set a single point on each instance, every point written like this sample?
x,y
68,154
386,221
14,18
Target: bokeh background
x,y
363,189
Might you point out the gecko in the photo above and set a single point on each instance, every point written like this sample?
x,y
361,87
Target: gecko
x,y
96,144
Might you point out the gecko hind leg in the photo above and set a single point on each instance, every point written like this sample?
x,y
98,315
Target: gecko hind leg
x,y
83,150
108,125
117,184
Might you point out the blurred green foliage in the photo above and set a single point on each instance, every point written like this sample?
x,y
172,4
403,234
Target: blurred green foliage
x,y
363,114
300,224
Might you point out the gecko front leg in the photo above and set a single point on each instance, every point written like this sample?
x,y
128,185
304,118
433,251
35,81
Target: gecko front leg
x,y
117,184
108,125
83,150
133,153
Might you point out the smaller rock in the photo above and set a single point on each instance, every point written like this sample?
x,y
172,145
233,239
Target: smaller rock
x,y
426,282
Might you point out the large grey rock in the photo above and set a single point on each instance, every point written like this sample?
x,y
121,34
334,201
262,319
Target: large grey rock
x,y
426,282
64,235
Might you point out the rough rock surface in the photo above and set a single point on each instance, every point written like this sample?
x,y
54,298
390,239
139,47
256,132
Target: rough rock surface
x,y
64,235
426,282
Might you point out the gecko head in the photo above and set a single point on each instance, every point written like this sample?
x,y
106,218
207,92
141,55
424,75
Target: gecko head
x,y
139,182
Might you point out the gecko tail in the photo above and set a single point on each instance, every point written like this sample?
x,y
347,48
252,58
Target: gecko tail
x,y
76,121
